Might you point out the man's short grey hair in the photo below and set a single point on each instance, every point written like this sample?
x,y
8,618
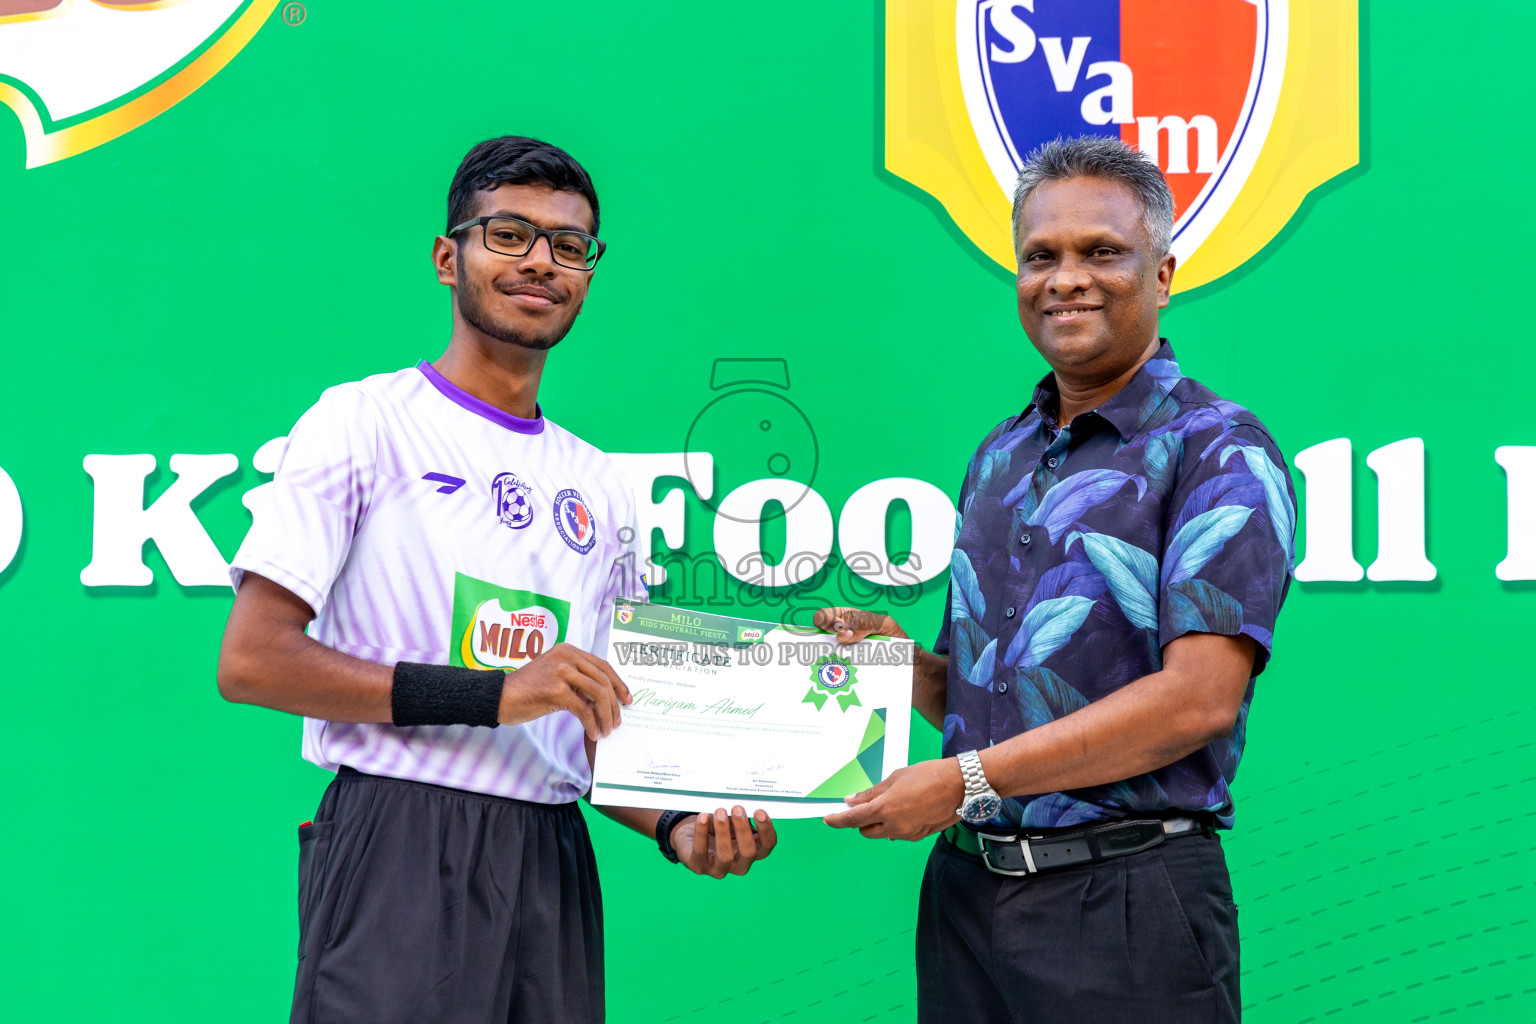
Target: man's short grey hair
x,y
1099,156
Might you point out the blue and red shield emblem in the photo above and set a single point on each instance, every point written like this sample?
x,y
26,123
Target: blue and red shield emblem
x,y
574,521
833,675
1246,105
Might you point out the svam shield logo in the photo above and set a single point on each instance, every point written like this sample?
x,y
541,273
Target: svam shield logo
x,y
79,73
1246,105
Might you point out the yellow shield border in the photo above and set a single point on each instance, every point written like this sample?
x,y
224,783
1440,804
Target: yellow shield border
x,y
1314,138
47,143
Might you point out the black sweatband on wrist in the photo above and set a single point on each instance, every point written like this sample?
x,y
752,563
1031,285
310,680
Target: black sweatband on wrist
x,y
664,826
445,695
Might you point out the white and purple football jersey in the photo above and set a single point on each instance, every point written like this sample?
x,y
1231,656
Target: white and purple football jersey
x,y
422,524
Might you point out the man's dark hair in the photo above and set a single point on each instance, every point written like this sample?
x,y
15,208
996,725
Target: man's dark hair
x,y
516,160
1100,156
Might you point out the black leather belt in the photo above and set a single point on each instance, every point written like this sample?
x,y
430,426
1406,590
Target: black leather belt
x,y
1031,853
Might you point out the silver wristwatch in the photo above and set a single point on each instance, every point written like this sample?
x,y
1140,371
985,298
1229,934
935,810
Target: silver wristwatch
x,y
981,800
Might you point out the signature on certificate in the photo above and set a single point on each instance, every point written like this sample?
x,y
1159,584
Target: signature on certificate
x,y
657,771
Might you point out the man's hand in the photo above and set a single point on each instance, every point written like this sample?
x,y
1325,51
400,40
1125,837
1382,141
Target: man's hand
x,y
929,671
565,678
723,844
851,625
912,804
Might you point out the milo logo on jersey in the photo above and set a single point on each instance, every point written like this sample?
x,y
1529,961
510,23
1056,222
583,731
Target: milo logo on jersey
x,y
78,73
494,627
1246,105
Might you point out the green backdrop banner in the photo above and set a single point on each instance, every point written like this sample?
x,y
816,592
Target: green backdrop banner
x,y
213,210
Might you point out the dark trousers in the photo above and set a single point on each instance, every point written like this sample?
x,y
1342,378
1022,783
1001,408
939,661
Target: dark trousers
x,y
1144,939
422,904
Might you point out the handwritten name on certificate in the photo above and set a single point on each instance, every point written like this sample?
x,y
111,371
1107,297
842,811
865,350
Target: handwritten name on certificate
x,y
735,711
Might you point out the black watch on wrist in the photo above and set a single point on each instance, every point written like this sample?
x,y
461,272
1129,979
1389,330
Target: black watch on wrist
x,y
664,826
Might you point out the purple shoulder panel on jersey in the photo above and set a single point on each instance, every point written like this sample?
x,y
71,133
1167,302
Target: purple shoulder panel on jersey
x,y
459,396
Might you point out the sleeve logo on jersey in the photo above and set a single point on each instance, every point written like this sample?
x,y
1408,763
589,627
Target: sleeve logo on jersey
x,y
577,525
1246,106
514,500
499,628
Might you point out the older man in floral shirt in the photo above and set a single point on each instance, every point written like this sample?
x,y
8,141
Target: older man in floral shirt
x,y
1122,551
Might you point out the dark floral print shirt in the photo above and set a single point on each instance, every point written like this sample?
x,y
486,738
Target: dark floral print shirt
x,y
1081,553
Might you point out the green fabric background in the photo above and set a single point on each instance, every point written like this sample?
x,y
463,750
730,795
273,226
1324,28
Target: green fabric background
x,y
194,285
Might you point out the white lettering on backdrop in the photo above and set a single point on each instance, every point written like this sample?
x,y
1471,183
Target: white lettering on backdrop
x,y
1519,462
10,520
121,524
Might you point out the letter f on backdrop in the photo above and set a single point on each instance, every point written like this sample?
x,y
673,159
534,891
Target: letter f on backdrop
x,y
79,73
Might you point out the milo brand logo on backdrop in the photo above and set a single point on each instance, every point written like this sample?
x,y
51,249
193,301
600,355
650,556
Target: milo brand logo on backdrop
x,y
1246,105
494,627
79,73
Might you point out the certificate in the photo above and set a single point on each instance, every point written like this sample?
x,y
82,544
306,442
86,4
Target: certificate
x,y
732,711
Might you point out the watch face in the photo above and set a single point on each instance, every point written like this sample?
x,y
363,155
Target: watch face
x,y
981,807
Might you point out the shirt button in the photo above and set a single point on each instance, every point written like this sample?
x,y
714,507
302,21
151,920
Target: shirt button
x,y
1009,612
1052,463
1024,538
1002,687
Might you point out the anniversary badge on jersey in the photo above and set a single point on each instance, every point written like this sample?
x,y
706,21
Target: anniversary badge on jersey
x,y
1246,105
79,73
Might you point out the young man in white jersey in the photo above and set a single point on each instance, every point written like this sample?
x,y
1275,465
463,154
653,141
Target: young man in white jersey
x,y
433,531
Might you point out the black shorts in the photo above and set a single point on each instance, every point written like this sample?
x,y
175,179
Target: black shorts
x,y
421,904
1146,939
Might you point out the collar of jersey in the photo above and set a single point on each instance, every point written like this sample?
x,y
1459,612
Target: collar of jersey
x,y
460,397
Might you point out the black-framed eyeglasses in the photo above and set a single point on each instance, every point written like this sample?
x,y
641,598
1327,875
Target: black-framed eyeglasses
x,y
513,237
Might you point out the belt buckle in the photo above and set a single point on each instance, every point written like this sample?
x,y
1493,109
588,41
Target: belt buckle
x,y
1023,844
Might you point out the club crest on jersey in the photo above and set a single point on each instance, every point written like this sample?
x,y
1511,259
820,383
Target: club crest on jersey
x,y
513,500
577,526
1246,105
78,73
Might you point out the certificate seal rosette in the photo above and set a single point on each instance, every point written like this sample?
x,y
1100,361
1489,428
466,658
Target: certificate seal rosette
x,y
722,714
833,676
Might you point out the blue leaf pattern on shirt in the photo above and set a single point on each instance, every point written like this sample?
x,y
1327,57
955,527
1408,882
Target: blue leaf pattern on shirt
x,y
1069,499
1200,539
1045,629
1130,572
985,665
1080,579
967,640
1169,511
1282,513
1044,696
969,602
992,463
1198,607
1227,489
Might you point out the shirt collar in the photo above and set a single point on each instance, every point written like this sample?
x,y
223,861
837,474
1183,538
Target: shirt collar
x,y
1128,408
464,399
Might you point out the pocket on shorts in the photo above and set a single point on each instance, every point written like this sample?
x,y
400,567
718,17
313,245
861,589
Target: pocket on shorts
x,y
314,851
